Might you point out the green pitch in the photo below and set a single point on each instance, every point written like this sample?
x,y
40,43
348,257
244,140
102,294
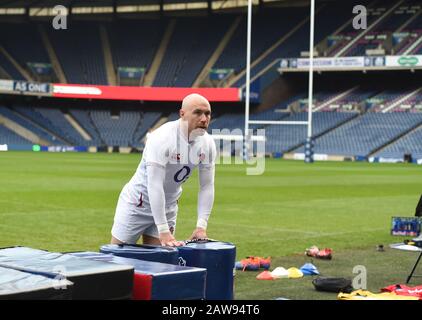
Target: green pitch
x,y
66,202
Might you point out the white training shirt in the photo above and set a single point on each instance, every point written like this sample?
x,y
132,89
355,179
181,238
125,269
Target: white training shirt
x,y
168,148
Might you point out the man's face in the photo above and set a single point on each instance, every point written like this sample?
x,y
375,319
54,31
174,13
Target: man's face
x,y
198,118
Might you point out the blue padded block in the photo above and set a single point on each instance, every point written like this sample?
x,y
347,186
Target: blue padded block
x,y
219,259
143,252
169,281
91,279
19,285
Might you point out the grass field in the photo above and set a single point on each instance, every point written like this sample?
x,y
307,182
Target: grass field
x,y
66,201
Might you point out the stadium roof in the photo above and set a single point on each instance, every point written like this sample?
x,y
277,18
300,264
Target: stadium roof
x,y
99,3
97,8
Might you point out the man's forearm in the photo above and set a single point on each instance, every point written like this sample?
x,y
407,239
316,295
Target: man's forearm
x,y
205,204
205,196
156,196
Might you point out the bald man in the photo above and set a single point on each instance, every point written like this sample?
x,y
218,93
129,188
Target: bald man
x,y
148,203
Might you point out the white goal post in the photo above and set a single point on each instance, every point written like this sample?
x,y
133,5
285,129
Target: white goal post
x,y
247,138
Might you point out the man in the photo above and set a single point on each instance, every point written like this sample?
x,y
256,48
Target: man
x,y
148,203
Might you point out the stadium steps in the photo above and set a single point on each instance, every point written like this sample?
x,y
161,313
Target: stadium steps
x,y
351,44
334,99
260,73
335,48
138,126
4,74
384,146
17,118
214,57
266,53
411,143
21,131
52,55
406,46
414,46
116,129
399,101
9,137
408,22
96,129
27,118
402,46
332,51
161,121
72,121
418,50
108,59
336,32
325,132
156,63
149,122
21,70
265,67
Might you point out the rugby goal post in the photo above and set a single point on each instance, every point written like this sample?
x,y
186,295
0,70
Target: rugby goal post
x,y
247,137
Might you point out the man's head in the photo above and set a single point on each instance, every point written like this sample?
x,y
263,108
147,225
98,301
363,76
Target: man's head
x,y
196,111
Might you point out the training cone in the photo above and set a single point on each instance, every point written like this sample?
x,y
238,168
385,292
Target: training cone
x,y
265,275
294,273
280,273
308,269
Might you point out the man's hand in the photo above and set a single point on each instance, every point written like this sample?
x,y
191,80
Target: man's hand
x,y
198,233
167,239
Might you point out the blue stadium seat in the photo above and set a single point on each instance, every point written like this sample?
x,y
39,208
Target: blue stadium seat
x,y
80,52
409,144
7,136
116,131
365,134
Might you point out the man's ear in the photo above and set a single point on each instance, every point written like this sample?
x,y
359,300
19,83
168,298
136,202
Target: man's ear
x,y
181,112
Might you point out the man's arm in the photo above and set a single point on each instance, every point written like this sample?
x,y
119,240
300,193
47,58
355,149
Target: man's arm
x,y
205,200
156,176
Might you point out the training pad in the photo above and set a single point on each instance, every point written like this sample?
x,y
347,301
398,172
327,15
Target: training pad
x,y
158,281
91,279
219,259
143,252
18,285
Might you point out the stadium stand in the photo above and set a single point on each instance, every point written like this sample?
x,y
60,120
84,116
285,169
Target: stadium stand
x,y
56,117
364,116
287,137
9,137
87,66
234,121
134,43
189,49
410,144
84,120
381,33
9,68
354,100
365,134
116,130
23,42
34,128
267,29
36,117
290,47
145,124
173,116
